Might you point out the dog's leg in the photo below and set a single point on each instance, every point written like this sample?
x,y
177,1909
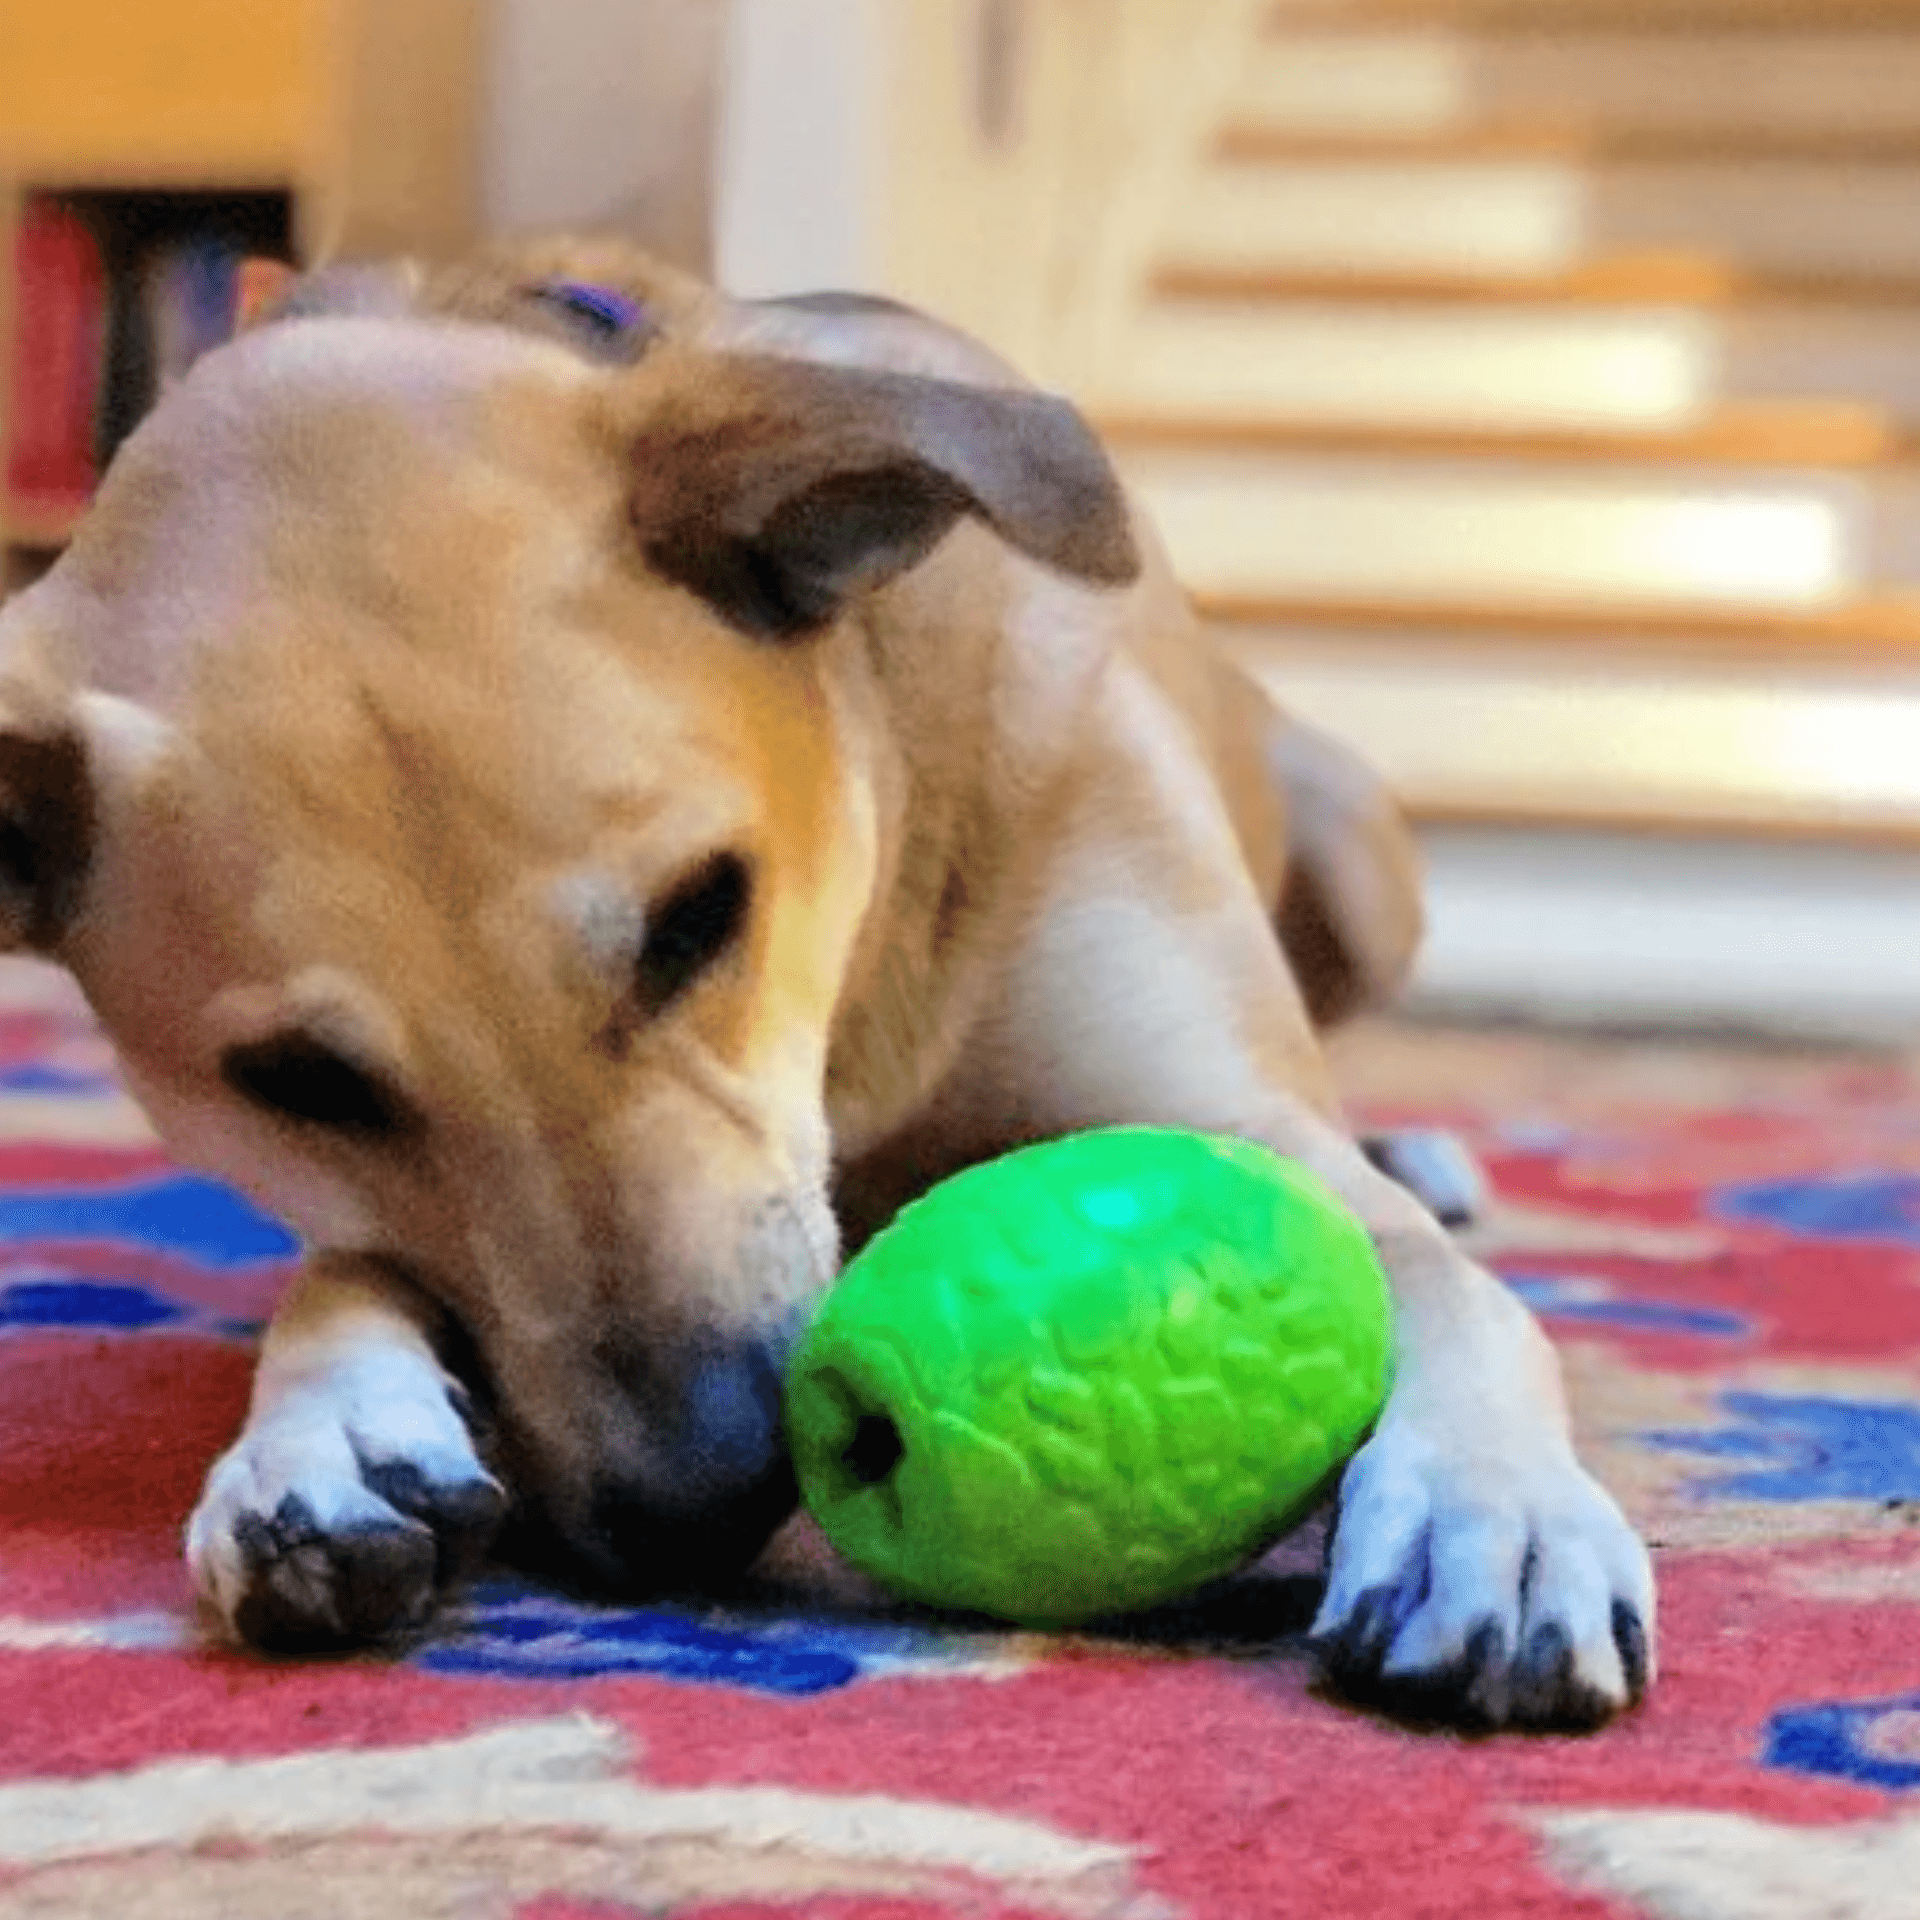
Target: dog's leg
x,y
1349,912
1476,1569
1475,1566
354,1495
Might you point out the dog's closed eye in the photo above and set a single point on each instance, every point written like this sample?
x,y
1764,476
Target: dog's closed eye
x,y
296,1077
692,926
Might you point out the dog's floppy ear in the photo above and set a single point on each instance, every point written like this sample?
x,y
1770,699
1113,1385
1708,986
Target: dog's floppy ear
x,y
780,490
46,825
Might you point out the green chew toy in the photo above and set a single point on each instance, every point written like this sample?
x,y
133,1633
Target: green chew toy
x,y
1089,1376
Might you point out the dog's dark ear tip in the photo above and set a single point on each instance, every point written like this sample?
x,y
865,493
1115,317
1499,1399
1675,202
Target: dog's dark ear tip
x,y
1110,556
1088,536
605,321
808,485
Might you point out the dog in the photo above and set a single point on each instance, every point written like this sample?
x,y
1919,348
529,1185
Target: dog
x,y
584,795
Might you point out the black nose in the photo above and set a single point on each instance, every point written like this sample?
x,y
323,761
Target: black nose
x,y
717,1484
727,1432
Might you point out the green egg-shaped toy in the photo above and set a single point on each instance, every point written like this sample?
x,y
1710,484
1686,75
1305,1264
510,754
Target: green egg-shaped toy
x,y
1089,1376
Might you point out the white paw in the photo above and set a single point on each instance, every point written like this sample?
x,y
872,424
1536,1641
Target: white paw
x,y
345,1509
1500,1585
1435,1167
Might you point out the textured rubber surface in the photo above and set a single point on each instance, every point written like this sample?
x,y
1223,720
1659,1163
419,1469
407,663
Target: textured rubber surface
x,y
1089,1376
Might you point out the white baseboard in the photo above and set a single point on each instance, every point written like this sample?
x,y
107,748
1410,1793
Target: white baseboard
x,y
1798,939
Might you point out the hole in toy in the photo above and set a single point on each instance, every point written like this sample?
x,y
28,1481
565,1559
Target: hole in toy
x,y
875,1449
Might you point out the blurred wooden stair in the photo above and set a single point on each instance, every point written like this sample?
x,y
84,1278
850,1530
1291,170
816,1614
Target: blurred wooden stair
x,y
1542,17
1589,146
1530,390
1514,382
1673,278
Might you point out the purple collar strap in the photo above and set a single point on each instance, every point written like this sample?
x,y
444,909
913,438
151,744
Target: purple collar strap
x,y
613,321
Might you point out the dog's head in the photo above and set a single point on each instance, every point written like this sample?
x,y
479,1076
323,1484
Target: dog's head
x,y
450,760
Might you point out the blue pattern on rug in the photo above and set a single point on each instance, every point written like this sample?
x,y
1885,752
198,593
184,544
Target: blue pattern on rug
x,y
1855,1206
1594,1303
1838,1739
179,1214
1809,1449
520,1633
85,1305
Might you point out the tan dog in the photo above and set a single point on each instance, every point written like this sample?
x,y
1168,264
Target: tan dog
x,y
584,811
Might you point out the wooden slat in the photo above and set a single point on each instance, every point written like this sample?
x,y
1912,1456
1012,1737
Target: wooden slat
x,y
1538,18
130,93
12,205
1885,629
1784,434
39,523
1677,278
1806,746
1252,144
1669,817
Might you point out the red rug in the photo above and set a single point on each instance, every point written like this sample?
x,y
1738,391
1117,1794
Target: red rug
x,y
1727,1245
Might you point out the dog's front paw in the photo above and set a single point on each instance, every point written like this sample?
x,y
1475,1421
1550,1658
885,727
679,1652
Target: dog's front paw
x,y
344,1511
1498,1589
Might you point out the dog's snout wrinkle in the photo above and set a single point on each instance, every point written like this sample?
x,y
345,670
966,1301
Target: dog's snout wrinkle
x,y
708,1077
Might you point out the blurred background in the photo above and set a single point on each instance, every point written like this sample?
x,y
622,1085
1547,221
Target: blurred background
x,y
1527,388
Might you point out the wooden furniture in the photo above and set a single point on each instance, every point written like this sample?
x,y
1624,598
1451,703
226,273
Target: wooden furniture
x,y
310,126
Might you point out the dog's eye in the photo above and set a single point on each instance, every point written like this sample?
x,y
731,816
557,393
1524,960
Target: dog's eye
x,y
300,1079
691,928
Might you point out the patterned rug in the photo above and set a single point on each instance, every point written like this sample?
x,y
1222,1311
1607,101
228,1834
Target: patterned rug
x,y
1726,1242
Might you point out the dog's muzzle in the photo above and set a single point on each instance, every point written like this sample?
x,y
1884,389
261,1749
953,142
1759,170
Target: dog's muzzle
x,y
717,1483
